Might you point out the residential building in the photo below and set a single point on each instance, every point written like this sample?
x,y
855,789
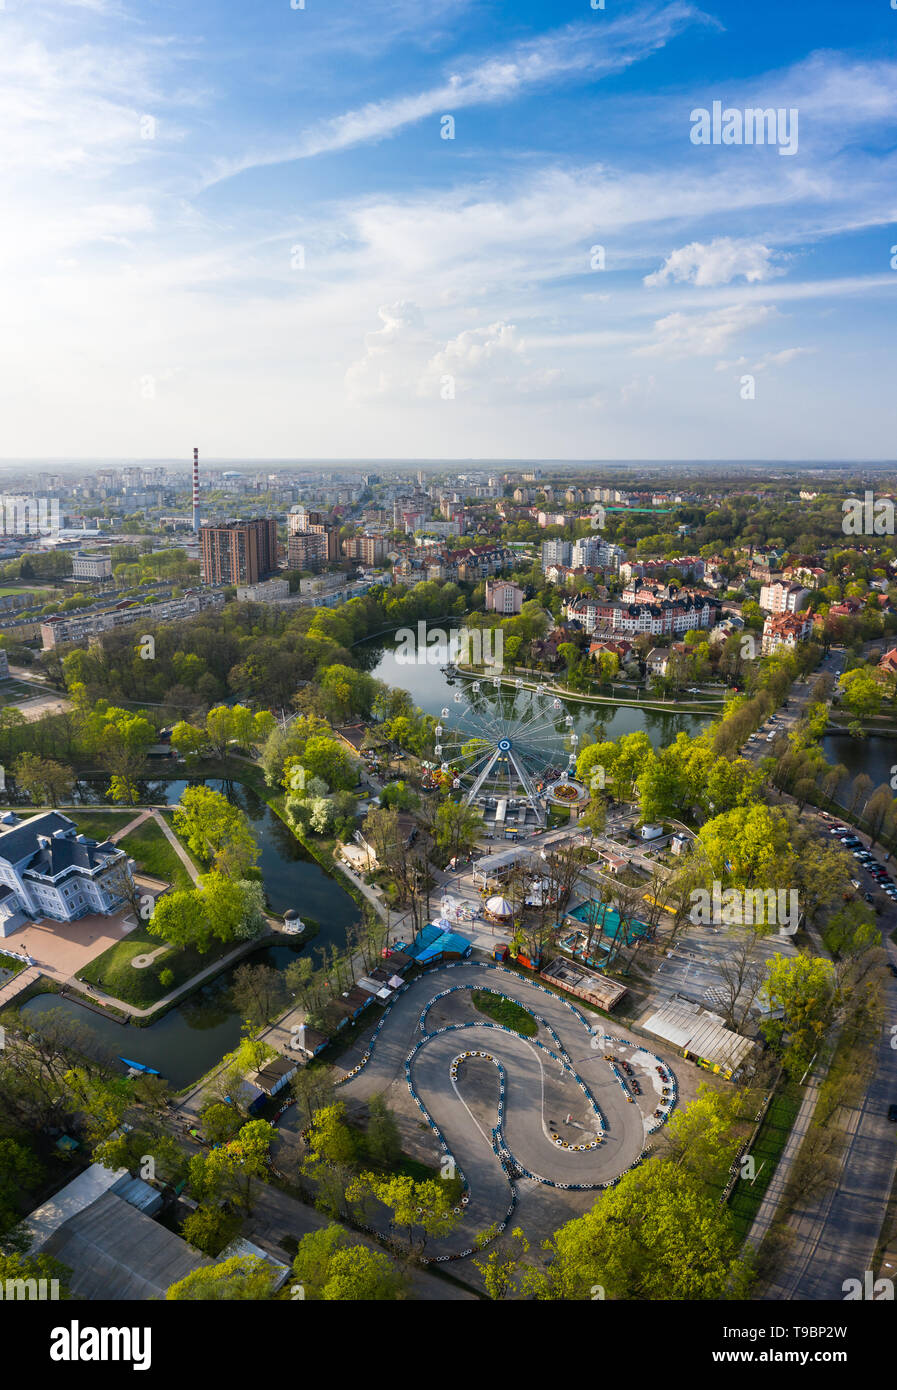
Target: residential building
x,y
670,617
778,596
271,591
691,567
370,550
503,596
307,550
556,552
888,665
80,627
238,552
785,630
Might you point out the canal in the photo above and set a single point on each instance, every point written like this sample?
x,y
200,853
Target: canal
x,y
190,1039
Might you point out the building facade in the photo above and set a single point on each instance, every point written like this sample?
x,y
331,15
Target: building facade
x,y
238,552
91,567
80,627
48,870
503,596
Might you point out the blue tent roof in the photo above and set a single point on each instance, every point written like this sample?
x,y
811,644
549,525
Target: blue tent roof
x,y
432,942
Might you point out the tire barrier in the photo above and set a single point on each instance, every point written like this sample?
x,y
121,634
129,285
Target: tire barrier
x,y
511,1167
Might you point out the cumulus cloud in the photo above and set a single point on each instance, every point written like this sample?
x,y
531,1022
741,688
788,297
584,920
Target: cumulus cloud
x,y
717,262
393,354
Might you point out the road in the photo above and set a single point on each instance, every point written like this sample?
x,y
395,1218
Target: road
x,y
835,1234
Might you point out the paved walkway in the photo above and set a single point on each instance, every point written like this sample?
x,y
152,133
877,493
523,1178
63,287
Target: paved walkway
x,y
175,844
131,825
17,984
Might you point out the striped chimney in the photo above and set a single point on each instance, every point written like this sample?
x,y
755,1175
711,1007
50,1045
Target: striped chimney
x,y
196,490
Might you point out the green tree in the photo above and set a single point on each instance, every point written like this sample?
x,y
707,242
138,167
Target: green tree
x,y
861,693
19,1271
384,1144
458,827
501,1268
329,1267
241,1277
210,1229
228,1173
804,988
658,1235
424,1207
189,740
216,830
20,1172
43,779
326,758
703,1138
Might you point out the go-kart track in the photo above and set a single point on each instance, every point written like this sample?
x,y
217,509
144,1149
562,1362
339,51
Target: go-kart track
x,y
572,1107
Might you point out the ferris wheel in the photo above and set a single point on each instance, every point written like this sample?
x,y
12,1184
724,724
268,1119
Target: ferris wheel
x,y
498,742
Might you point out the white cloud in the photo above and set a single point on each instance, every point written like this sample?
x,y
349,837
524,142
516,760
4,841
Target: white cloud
x,y
702,335
718,262
577,50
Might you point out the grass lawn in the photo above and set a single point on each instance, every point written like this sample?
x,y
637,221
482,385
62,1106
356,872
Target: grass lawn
x,y
99,825
149,848
10,964
507,1012
766,1151
115,974
13,691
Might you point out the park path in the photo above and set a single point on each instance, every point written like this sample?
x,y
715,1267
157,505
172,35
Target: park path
x,y
131,825
17,984
175,844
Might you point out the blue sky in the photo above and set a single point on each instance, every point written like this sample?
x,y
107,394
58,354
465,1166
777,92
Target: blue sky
x,y
238,225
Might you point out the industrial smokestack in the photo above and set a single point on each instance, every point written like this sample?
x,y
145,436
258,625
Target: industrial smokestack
x,y
196,490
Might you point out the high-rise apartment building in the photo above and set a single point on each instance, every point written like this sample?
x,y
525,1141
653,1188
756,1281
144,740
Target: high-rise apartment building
x,y
307,550
370,550
238,552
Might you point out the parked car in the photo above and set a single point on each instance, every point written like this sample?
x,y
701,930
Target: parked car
x,y
892,967
892,1113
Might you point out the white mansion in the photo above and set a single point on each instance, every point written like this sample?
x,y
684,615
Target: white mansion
x,y
48,870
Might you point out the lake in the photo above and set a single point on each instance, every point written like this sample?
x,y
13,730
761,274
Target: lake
x,y
431,691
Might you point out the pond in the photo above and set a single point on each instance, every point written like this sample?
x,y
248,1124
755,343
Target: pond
x,y
432,692
189,1040
876,756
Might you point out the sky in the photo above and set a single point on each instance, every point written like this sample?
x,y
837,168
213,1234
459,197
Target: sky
x,y
447,229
